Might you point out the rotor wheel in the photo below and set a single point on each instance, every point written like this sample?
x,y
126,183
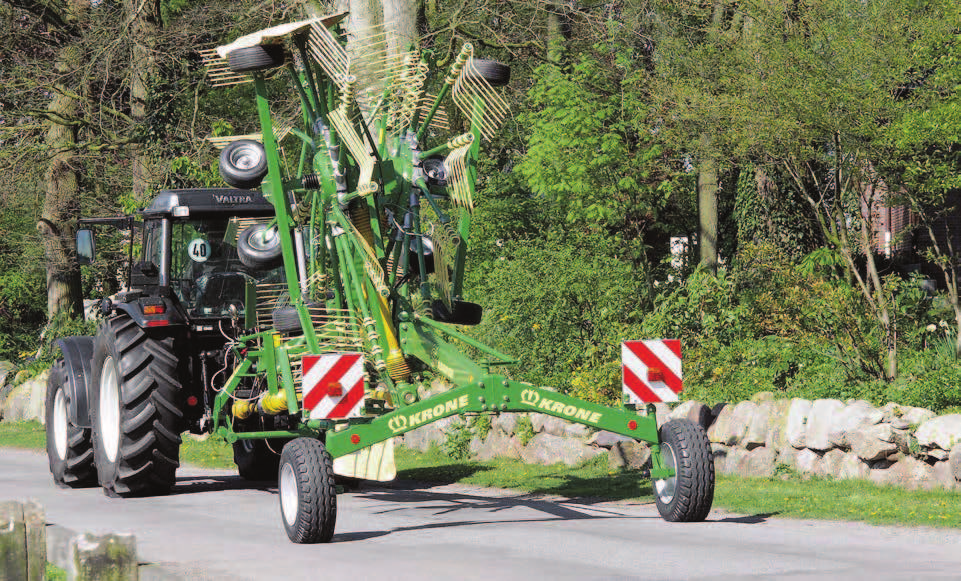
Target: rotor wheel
x,y
496,74
307,491
137,419
258,247
243,164
257,58
688,495
69,447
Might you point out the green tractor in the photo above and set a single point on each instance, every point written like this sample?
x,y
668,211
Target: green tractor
x,y
295,315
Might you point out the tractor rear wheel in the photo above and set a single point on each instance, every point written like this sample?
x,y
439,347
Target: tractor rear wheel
x,y
134,408
68,446
687,496
308,494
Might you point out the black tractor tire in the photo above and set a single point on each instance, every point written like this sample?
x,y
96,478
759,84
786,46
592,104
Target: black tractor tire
x,y
69,447
257,58
243,164
258,247
496,74
256,461
307,491
135,409
688,495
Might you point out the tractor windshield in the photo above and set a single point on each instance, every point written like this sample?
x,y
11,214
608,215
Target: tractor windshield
x,y
206,273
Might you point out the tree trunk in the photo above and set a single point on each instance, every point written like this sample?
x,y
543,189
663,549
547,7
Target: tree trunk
x,y
61,200
144,18
401,19
556,34
367,60
707,204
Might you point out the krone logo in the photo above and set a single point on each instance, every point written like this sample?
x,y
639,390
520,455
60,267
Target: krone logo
x,y
397,424
530,397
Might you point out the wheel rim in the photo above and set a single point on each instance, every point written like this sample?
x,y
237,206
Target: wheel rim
x,y
288,494
245,158
665,488
60,424
110,409
263,239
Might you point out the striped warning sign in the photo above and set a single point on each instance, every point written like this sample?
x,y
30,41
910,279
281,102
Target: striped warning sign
x,y
652,370
333,385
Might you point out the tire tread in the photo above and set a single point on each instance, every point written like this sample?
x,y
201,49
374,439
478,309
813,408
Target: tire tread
x,y
694,491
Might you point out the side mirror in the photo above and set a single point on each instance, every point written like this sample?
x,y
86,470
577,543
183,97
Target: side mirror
x,y
86,247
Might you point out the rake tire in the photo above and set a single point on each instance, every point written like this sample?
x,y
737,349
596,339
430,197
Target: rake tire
x,y
243,164
496,74
257,58
307,491
258,247
69,447
690,496
135,410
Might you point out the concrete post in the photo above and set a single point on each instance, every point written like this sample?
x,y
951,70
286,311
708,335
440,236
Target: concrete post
x,y
111,557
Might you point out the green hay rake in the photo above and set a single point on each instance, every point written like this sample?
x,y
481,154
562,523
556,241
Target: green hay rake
x,y
372,231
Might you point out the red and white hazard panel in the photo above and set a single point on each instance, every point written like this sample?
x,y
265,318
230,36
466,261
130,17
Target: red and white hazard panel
x,y
333,385
652,370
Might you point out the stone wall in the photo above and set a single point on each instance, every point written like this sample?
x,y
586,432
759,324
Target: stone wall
x,y
897,445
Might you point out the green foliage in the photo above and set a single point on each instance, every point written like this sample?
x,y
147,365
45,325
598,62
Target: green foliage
x,y
63,326
524,430
457,444
766,209
481,426
560,305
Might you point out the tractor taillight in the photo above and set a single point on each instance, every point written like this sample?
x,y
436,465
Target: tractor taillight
x,y
154,309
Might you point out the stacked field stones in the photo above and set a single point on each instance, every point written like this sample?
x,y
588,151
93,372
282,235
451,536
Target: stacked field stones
x,y
897,445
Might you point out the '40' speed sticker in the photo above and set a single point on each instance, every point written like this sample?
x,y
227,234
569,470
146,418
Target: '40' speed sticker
x,y
198,250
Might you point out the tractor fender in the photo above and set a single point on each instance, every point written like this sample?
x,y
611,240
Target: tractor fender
x,y
172,316
77,359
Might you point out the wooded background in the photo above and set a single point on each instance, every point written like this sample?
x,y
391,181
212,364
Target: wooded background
x,y
770,134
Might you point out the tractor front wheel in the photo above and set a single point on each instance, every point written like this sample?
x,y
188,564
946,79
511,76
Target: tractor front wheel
x,y
308,494
687,496
68,446
256,460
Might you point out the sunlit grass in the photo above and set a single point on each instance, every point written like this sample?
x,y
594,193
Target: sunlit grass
x,y
22,435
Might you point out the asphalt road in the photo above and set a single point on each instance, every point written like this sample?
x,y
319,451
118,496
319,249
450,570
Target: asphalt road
x,y
216,526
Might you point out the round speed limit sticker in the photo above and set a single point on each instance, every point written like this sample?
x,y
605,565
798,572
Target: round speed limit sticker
x,y
198,250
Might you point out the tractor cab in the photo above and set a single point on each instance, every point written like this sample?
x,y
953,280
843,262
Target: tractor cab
x,y
188,252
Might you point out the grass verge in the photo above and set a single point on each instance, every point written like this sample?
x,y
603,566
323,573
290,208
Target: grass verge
x,y
22,435
785,496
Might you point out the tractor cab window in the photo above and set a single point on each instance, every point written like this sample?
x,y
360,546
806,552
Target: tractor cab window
x,y
205,271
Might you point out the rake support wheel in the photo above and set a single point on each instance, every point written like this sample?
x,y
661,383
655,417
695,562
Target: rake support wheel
x,y
687,496
308,493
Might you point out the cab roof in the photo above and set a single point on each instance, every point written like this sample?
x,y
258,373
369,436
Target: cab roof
x,y
206,201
